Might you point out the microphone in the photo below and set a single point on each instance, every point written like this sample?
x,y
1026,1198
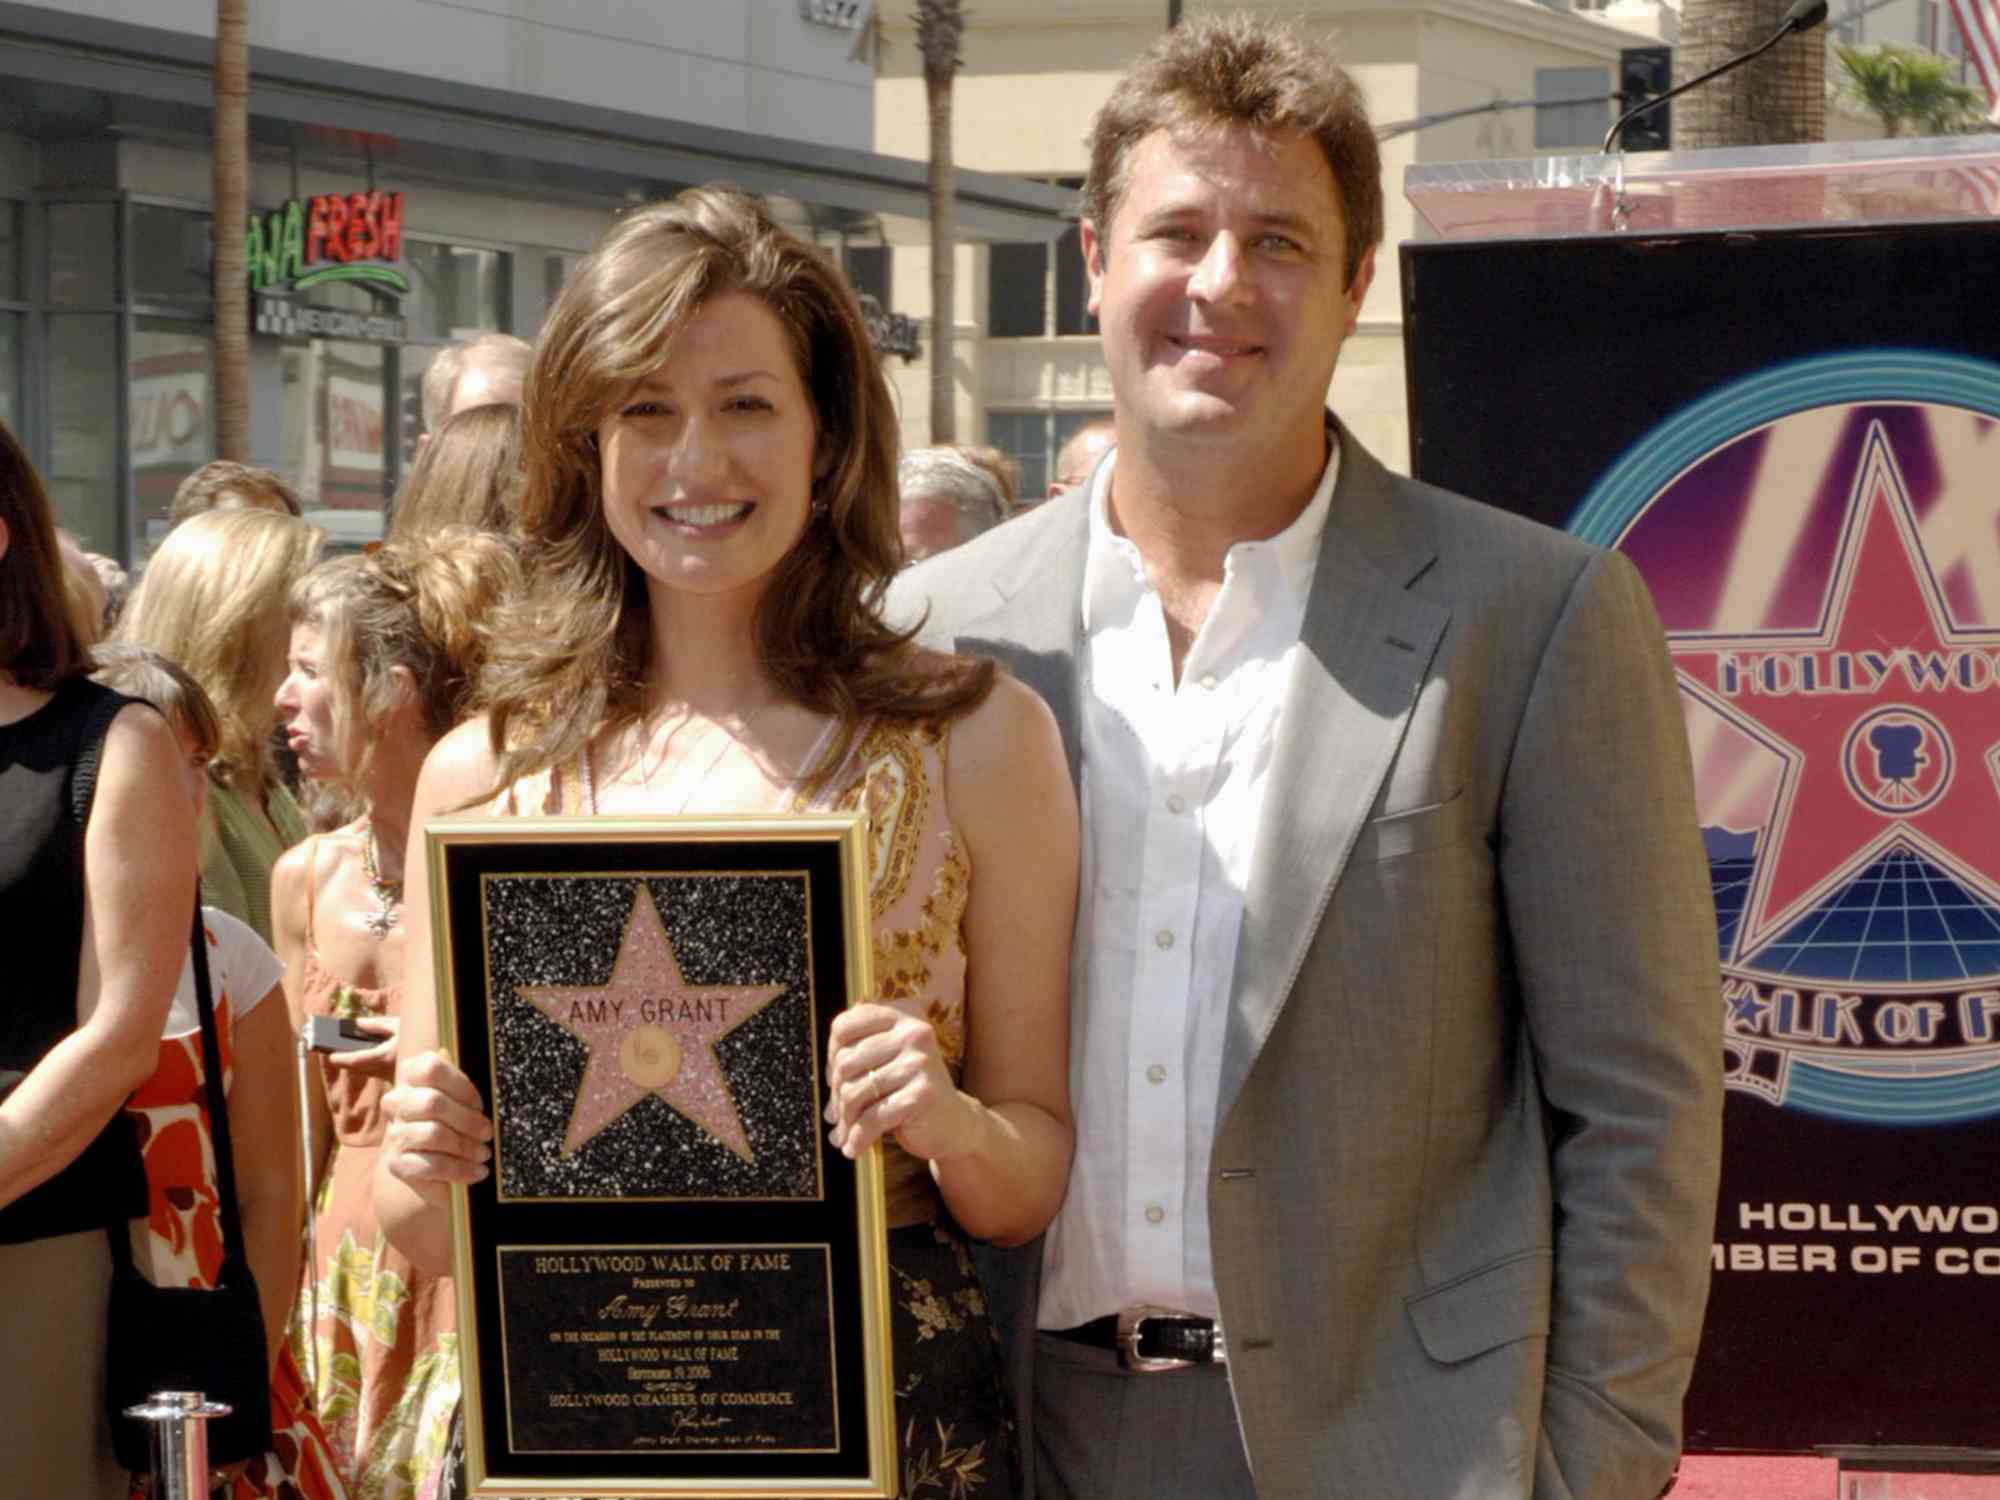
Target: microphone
x,y
1801,15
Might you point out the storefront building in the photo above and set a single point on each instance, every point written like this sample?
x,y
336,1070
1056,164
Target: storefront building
x,y
393,212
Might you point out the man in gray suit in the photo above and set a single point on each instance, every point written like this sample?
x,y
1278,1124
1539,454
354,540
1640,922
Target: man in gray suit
x,y
1395,1048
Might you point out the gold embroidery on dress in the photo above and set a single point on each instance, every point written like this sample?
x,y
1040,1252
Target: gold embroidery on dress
x,y
897,800
919,880
903,955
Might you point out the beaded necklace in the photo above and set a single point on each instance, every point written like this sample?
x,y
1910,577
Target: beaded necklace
x,y
388,893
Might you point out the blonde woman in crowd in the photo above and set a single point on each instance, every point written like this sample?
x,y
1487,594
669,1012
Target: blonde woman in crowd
x,y
213,599
384,650
709,515
465,476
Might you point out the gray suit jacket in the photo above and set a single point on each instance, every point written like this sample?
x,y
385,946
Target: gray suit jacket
x,y
1464,1177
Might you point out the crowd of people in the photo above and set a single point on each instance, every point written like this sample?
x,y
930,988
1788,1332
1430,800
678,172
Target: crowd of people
x,y
1275,748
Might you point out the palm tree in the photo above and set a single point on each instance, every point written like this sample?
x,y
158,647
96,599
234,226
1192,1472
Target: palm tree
x,y
1903,86
940,25
1778,100
229,225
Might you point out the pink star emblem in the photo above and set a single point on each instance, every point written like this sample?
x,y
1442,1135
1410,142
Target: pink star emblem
x,y
1883,721
651,1032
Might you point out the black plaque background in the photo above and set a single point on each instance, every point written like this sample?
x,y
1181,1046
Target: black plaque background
x,y
583,1224
725,929
535,1303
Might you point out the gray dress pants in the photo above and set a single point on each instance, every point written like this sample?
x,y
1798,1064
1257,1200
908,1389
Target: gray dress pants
x,y
1106,1433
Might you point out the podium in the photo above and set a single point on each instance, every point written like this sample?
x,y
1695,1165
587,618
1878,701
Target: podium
x,y
1771,377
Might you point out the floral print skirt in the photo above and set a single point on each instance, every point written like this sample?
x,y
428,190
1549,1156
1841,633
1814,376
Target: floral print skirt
x,y
953,1428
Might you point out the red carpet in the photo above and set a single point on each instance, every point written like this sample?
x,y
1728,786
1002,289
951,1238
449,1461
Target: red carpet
x,y
1819,1479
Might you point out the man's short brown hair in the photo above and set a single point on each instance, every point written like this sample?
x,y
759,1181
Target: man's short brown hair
x,y
1239,69
225,485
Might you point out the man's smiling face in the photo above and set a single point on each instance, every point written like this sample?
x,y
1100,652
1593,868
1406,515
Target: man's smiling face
x,y
1221,289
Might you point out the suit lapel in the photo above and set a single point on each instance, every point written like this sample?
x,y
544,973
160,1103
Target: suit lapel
x,y
1035,625
1365,646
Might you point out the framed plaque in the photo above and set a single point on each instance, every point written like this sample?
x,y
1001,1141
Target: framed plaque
x,y
669,1283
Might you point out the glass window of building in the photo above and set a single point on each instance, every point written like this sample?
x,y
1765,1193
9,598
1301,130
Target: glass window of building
x,y
171,424
85,387
555,276
1040,291
333,436
853,241
1023,437
10,371
83,254
13,288
1017,291
13,254
455,290
867,268
1033,439
1073,315
1019,282
172,255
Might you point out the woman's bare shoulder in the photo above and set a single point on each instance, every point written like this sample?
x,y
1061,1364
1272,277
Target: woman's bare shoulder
x,y
1007,753
460,767
1012,718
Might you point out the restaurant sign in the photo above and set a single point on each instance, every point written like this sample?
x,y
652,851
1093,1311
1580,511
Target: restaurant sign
x,y
315,242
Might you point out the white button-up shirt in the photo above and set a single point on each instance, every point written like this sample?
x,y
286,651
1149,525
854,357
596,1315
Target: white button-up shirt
x,y
1174,781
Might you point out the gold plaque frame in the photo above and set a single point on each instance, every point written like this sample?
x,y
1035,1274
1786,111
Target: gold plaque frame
x,y
663,1163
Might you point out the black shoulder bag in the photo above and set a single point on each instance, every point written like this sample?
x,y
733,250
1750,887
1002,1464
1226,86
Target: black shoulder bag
x,y
187,1338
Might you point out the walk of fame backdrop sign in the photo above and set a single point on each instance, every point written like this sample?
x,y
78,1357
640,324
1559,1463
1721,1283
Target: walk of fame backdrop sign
x,y
1795,437
1821,542
669,1283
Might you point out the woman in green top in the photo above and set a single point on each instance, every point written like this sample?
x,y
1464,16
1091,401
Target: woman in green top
x,y
214,600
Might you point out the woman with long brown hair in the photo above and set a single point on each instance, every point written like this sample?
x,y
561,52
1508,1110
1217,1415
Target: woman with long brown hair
x,y
466,475
97,899
709,515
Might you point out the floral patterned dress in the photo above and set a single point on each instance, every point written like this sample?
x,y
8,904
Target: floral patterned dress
x,y
377,1338
955,1436
181,1244
953,1428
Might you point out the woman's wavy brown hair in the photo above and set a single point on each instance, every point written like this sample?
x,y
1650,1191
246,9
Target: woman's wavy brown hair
x,y
465,476
423,604
571,656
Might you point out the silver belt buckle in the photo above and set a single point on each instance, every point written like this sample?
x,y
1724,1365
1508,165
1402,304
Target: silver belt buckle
x,y
1130,1322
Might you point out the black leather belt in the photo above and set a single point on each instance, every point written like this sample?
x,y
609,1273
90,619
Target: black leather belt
x,y
1152,1339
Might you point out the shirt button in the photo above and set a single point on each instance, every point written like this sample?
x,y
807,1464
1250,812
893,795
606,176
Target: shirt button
x,y
1157,1073
1164,938
1155,1214
1176,803
1208,680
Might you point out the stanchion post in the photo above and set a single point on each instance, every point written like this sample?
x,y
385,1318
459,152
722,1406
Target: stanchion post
x,y
180,1441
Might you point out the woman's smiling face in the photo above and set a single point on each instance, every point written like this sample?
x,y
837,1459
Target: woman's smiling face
x,y
708,461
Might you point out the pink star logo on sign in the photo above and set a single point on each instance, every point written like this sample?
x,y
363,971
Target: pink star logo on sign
x,y
1882,714
651,1032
